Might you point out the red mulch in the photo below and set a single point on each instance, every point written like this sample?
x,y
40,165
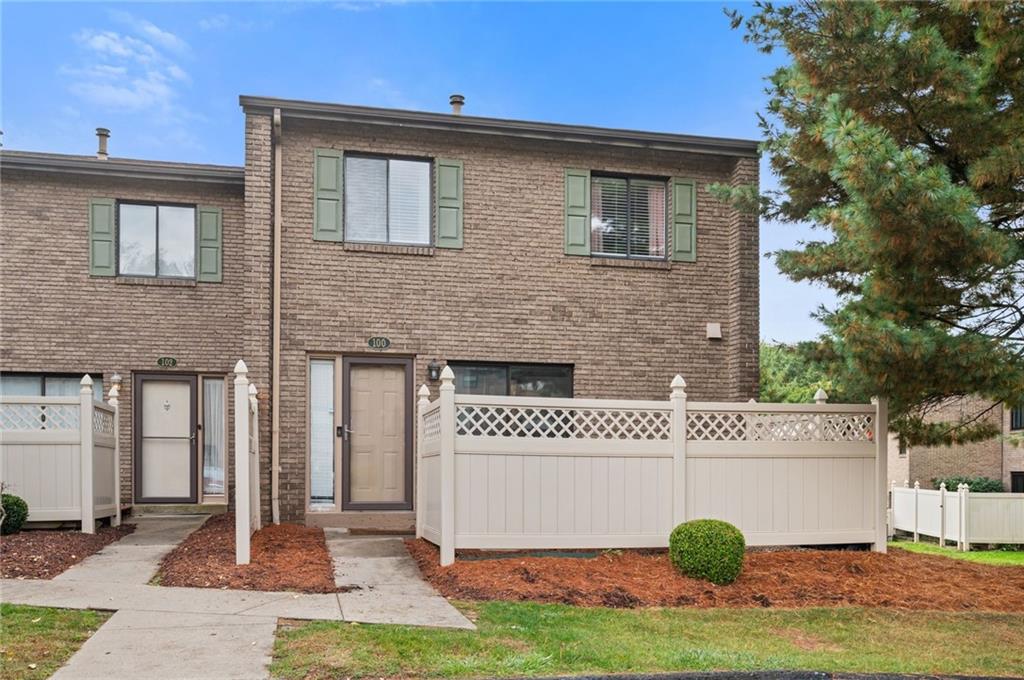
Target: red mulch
x,y
284,557
42,554
784,578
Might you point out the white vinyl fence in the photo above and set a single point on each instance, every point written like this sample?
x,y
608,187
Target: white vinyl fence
x,y
247,463
61,455
532,473
960,516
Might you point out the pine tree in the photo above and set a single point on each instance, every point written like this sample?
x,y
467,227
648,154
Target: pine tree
x,y
898,129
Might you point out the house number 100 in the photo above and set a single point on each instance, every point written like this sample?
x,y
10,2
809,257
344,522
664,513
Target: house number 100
x,y
379,343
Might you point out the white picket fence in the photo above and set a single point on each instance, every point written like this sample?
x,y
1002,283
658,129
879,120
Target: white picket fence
x,y
61,455
960,516
247,463
532,473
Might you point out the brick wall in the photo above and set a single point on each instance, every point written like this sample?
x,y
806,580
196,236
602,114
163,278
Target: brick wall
x,y
978,459
511,294
55,317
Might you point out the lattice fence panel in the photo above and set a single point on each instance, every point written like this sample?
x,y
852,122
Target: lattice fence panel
x,y
31,417
102,422
581,423
779,427
432,426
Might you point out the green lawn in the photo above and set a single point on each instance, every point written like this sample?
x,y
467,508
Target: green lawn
x,y
36,641
1002,558
525,639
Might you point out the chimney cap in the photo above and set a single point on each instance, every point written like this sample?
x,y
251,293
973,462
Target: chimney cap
x,y
103,132
456,100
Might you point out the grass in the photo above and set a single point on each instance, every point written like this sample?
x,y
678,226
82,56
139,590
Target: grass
x,y
1001,558
527,639
36,641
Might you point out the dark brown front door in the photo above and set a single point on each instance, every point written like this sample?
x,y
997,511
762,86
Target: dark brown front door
x,y
164,408
377,433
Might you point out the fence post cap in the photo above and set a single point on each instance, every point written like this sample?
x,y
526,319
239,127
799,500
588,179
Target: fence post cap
x,y
917,484
821,396
678,383
240,367
252,389
447,374
942,486
86,382
424,391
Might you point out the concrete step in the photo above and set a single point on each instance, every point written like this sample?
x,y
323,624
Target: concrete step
x,y
143,509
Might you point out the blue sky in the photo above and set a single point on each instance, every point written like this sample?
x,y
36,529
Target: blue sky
x,y
165,78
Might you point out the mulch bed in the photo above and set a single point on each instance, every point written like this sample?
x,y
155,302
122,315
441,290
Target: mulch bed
x,y
784,578
283,557
44,553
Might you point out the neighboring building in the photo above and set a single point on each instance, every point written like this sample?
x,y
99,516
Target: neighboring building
x,y
1000,457
360,249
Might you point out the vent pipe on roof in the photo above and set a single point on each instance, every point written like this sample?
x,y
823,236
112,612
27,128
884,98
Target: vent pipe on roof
x,y
456,100
102,135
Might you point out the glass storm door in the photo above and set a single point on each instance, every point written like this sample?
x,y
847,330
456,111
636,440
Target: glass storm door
x,y
165,439
377,434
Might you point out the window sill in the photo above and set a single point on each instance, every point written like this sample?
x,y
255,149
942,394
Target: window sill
x,y
389,249
147,281
629,264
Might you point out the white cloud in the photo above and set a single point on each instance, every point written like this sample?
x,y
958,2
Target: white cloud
x,y
151,32
215,22
365,5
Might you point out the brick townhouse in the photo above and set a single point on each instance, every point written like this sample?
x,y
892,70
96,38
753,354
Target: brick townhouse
x,y
357,252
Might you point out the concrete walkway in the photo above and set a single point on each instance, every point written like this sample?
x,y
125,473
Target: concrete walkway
x,y
175,633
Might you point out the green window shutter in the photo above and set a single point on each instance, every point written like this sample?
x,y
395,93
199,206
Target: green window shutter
x,y
210,242
327,195
101,237
577,212
684,220
449,204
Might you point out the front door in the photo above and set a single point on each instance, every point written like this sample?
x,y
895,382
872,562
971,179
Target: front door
x,y
377,433
165,438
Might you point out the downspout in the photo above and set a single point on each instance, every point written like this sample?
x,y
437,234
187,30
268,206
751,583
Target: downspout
x,y
275,350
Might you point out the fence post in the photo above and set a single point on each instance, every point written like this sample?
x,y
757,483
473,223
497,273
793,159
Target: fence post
x,y
942,515
88,499
891,518
964,523
917,496
255,509
424,401
881,470
447,466
678,401
241,463
115,390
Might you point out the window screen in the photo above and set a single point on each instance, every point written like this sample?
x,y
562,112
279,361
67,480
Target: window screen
x,y
387,200
156,240
627,217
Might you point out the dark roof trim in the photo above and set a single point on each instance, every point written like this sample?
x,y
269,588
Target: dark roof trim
x,y
123,167
500,126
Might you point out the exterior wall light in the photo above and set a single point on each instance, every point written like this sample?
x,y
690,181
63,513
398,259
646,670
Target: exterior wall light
x,y
433,371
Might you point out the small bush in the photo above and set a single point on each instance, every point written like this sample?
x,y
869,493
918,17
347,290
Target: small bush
x,y
15,513
708,549
977,484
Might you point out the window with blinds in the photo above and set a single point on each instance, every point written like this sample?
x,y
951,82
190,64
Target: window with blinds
x,y
387,200
627,217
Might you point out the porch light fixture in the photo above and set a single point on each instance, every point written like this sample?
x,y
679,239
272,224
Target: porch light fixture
x,y
433,371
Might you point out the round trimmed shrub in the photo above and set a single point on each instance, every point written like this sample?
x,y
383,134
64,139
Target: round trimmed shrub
x,y
708,549
15,513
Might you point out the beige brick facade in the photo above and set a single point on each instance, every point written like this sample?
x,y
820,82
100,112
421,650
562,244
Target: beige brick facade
x,y
511,294
55,317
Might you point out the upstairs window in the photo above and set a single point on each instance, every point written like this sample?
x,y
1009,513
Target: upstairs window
x,y
1017,417
387,200
156,240
627,217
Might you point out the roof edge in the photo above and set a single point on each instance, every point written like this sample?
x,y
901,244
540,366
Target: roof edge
x,y
500,126
122,167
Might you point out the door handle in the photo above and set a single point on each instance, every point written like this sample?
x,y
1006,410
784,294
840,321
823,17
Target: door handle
x,y
343,431
192,437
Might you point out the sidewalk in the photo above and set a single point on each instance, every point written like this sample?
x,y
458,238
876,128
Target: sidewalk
x,y
162,632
